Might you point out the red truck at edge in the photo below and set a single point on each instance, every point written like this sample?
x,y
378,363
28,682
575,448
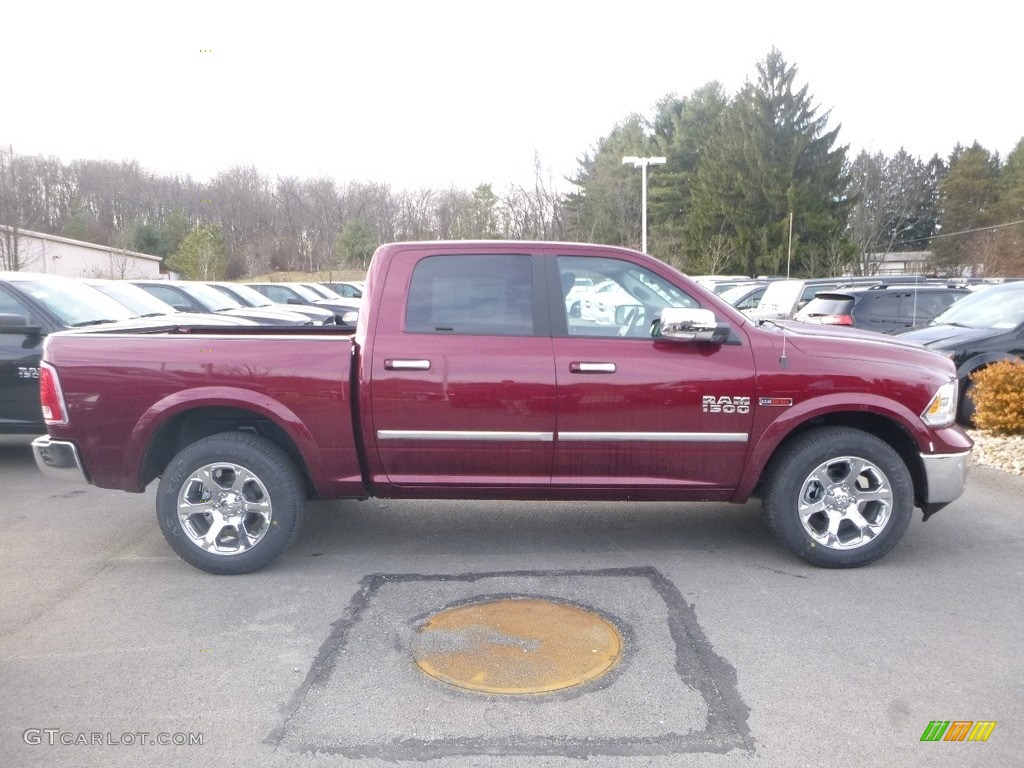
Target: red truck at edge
x,y
469,378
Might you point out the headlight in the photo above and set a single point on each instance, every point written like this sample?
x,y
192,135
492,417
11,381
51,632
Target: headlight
x,y
941,411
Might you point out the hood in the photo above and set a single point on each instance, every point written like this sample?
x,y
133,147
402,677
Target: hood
x,y
851,343
942,336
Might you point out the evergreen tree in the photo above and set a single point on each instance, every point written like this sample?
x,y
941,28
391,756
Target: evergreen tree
x,y
606,207
1007,240
969,195
355,244
202,255
682,128
772,158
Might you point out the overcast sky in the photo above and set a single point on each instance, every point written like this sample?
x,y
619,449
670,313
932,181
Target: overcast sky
x,y
438,92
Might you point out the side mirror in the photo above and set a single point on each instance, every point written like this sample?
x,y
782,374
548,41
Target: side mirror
x,y
13,321
17,324
696,325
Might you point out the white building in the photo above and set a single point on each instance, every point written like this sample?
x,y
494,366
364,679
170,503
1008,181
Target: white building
x,y
55,255
898,263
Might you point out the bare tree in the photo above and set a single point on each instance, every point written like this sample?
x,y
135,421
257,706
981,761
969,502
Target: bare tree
x,y
716,256
895,206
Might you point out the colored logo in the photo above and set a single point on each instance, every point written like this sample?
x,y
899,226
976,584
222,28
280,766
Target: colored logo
x,y
958,730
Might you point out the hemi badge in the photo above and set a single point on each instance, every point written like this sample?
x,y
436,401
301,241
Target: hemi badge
x,y
776,402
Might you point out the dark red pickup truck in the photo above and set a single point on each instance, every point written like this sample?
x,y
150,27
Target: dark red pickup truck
x,y
471,375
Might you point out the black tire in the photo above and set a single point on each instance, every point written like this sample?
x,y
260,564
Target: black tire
x,y
240,498
965,413
838,497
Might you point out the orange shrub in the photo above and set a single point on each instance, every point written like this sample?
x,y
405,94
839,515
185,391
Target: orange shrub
x,y
998,396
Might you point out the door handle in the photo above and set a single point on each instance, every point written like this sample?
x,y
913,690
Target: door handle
x,y
406,365
591,367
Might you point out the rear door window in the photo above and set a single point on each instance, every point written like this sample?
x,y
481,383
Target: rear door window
x,y
472,295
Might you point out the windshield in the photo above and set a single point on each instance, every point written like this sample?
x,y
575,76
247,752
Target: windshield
x,y
249,295
305,293
323,290
737,292
999,307
76,304
210,297
136,299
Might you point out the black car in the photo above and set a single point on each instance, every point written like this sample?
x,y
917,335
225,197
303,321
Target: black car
x,y
348,289
188,296
882,308
145,304
250,298
745,295
978,330
345,310
32,306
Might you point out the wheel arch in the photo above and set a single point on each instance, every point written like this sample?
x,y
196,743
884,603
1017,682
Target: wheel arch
x,y
965,407
179,421
977,362
884,428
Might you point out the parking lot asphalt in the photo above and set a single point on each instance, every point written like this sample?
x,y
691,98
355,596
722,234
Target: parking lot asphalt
x,y
113,652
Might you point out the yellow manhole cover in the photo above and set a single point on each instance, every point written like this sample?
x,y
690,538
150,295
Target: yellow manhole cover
x,y
517,646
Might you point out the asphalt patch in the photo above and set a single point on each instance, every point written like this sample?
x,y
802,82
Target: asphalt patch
x,y
364,695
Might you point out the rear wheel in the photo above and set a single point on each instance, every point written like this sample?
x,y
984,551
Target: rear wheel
x,y
838,497
230,503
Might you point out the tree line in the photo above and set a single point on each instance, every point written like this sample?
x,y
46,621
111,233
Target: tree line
x,y
754,183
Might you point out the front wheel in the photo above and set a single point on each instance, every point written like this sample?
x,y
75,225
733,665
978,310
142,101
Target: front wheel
x,y
838,497
230,503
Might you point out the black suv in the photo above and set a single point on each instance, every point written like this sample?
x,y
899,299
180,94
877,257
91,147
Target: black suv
x,y
882,308
981,329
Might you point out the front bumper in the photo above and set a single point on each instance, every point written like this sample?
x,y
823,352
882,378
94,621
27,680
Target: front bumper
x,y
945,479
58,460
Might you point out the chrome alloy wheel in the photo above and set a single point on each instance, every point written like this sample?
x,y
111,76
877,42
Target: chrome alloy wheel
x,y
845,503
224,508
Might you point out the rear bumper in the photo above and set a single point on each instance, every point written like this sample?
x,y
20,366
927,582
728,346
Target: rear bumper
x,y
58,460
946,477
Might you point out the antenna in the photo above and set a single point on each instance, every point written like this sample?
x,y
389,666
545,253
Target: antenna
x,y
789,263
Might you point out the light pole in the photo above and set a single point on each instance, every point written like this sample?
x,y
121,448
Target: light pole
x,y
642,163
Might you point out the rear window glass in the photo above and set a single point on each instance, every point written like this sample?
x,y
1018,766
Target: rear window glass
x,y
828,305
472,294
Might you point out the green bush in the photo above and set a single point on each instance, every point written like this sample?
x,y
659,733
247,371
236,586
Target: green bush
x,y
998,396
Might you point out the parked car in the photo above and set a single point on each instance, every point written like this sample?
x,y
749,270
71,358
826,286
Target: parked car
x,y
720,283
575,288
745,295
486,393
32,306
982,328
145,304
246,296
348,289
189,296
323,291
784,298
601,303
882,308
346,311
